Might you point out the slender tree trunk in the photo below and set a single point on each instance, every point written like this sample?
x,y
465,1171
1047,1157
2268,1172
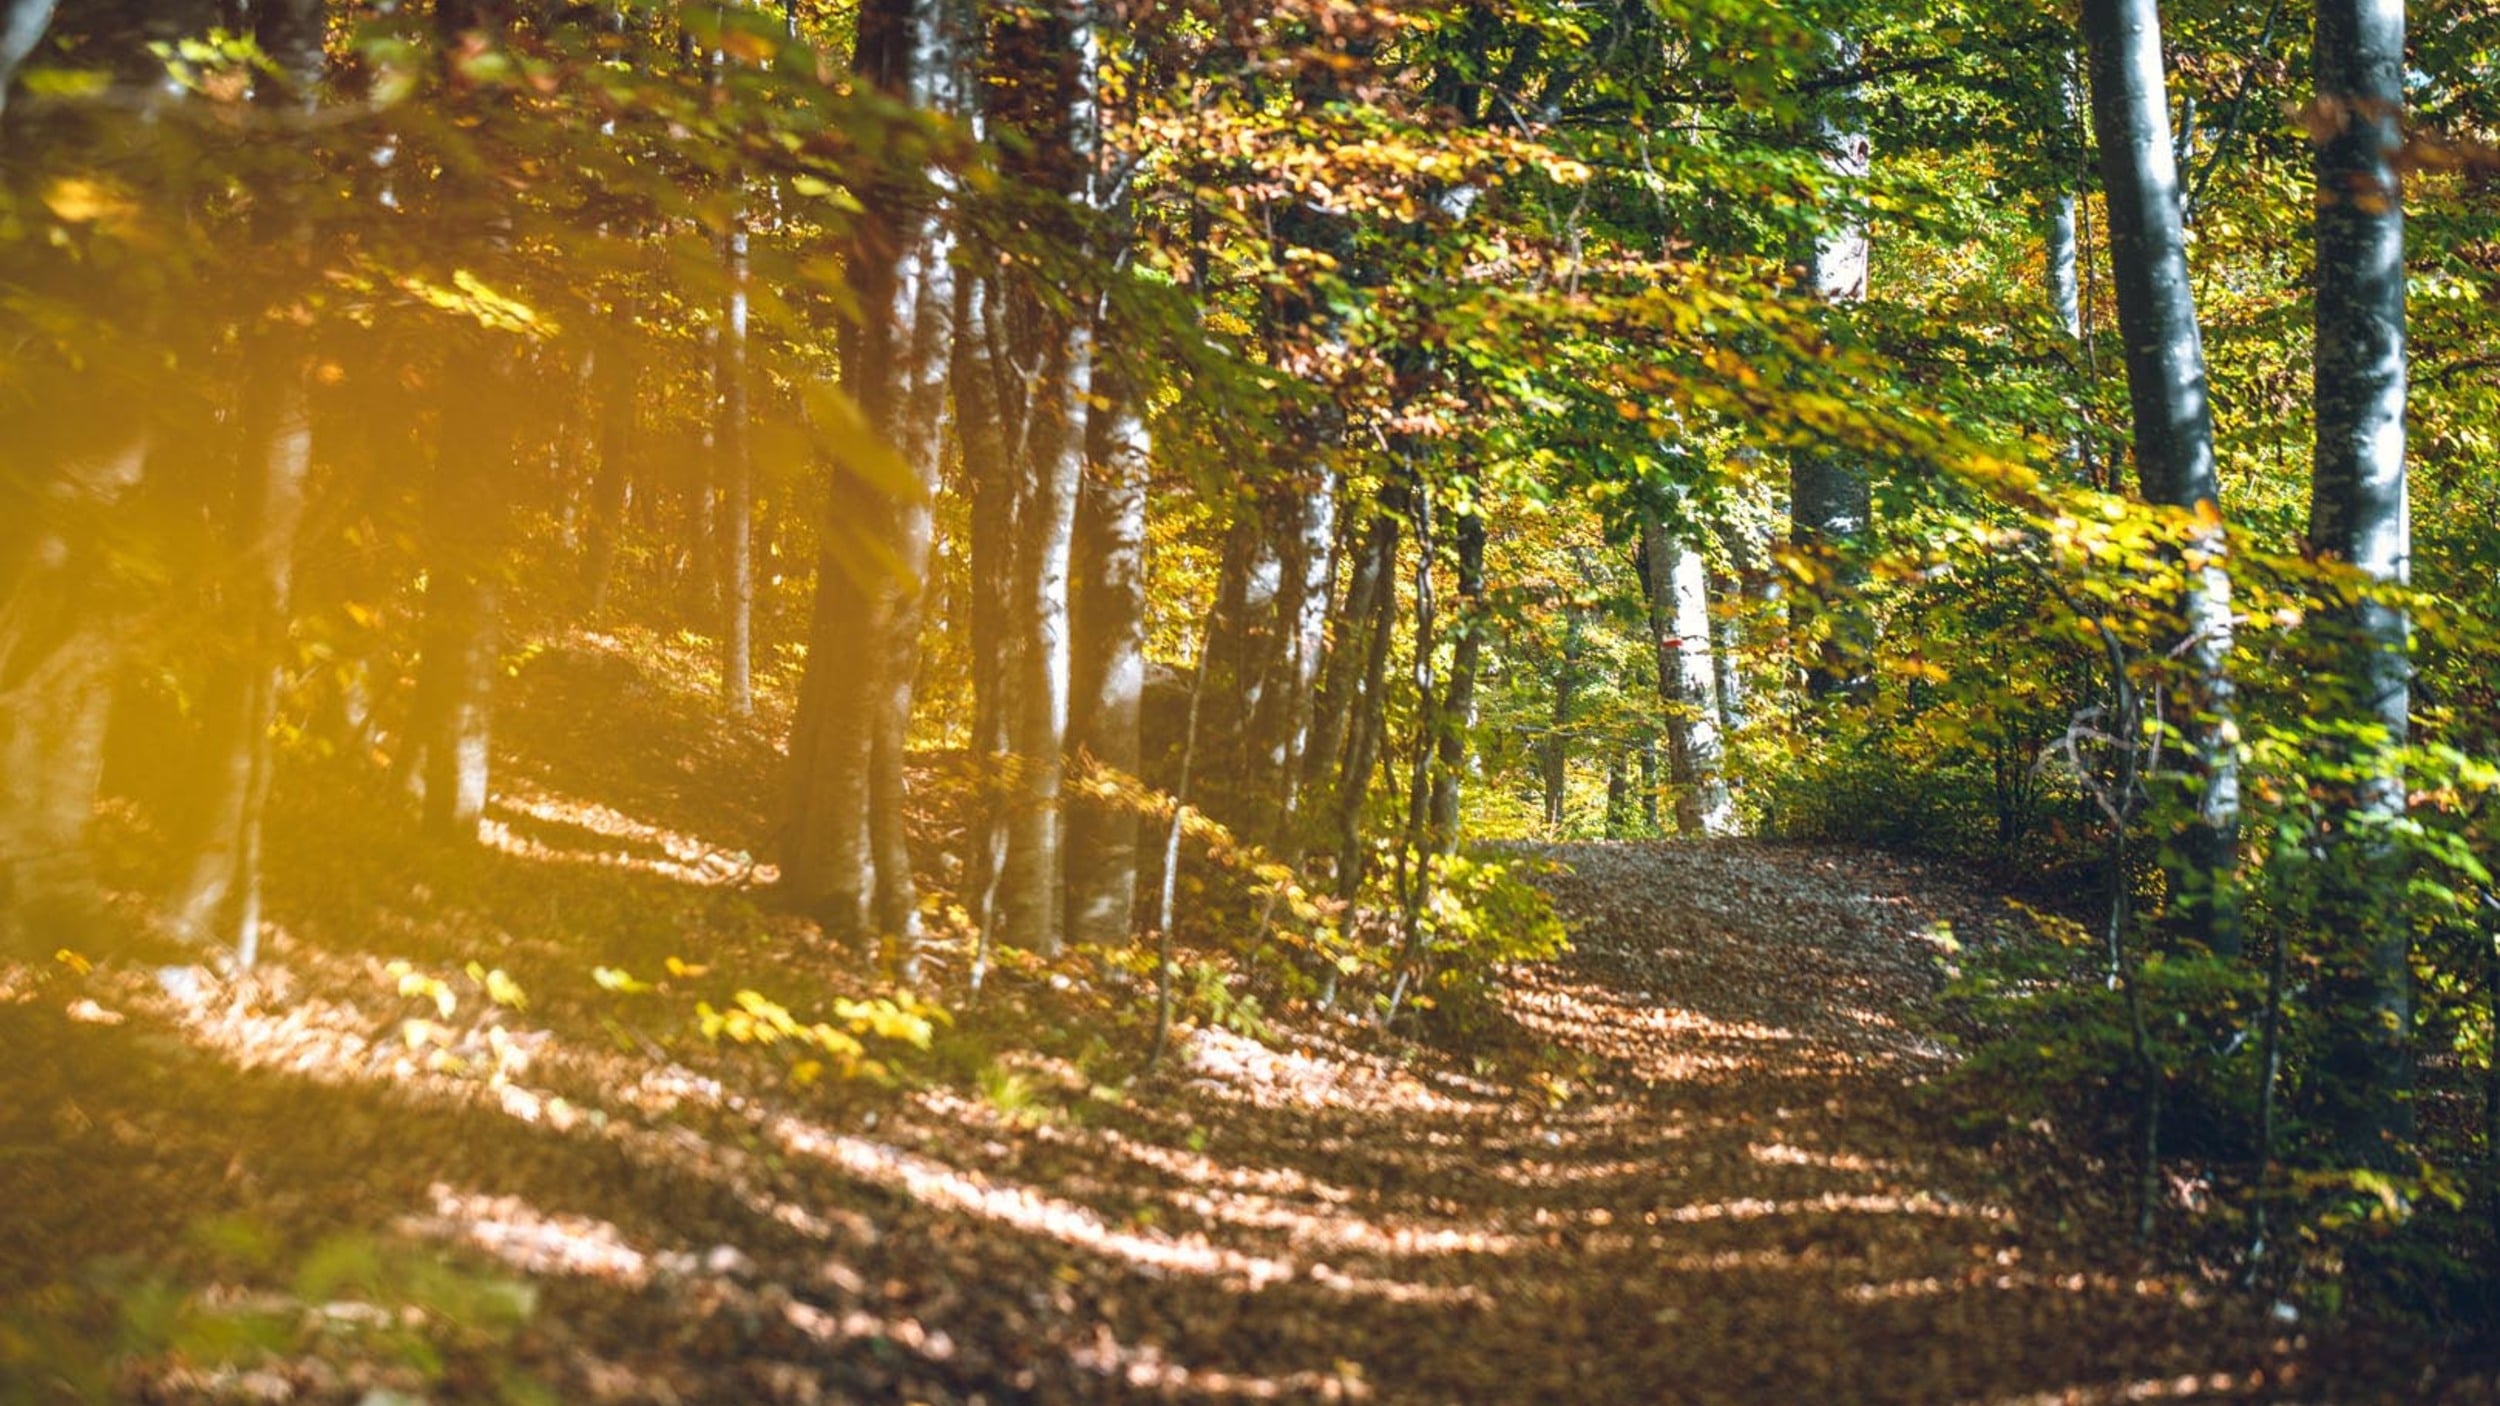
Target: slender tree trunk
x,y
733,469
465,517
1456,717
1367,728
1618,795
219,899
1649,785
980,405
2063,260
1554,757
1372,569
1031,896
2358,515
1829,504
2174,449
1109,659
1315,564
618,375
1679,623
919,435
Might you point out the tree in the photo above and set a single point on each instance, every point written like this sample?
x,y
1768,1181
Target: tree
x,y
1678,584
2358,518
1829,502
2174,441
219,899
846,854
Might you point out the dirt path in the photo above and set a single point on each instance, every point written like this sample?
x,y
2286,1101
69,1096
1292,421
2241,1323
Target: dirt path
x,y
1733,1203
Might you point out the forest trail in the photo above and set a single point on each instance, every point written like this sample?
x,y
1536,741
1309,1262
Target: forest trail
x,y
1732,1196
1686,1162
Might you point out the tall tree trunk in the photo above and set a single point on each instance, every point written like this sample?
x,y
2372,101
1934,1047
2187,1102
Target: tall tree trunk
x,y
1554,756
980,407
1829,504
219,899
1109,658
846,854
1314,561
57,657
618,375
1456,717
1649,785
2174,445
2358,516
2061,255
22,23
465,529
1031,894
1044,96
733,469
1371,569
1679,624
1368,722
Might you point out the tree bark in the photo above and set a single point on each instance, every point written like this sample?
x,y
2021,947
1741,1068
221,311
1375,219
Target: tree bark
x,y
846,852
1109,659
219,898
22,23
1368,723
1829,503
2358,516
465,528
2174,450
57,657
618,374
1679,624
1456,717
1554,756
734,470
980,406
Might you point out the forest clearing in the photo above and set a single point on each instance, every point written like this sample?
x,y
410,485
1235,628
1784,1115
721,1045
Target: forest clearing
x,y
1436,700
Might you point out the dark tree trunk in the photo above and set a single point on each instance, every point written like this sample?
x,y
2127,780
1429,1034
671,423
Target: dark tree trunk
x,y
465,529
2174,448
1554,757
1649,786
1372,569
1368,724
1456,717
2358,516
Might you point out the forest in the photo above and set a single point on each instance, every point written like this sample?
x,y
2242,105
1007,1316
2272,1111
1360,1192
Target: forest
x,y
1412,700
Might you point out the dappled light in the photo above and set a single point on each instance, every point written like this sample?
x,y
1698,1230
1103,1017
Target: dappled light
x,y
946,702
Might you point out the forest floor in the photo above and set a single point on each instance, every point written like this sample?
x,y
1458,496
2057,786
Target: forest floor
x,y
1696,1160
